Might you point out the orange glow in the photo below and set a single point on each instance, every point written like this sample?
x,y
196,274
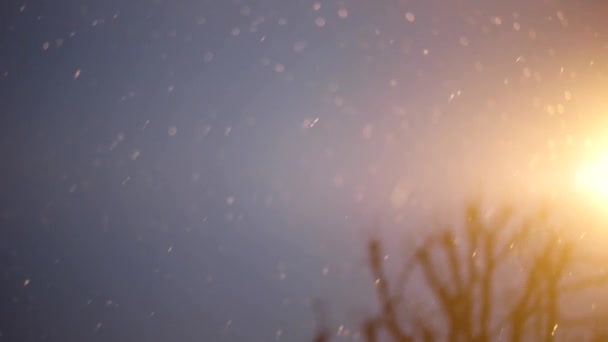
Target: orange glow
x,y
592,178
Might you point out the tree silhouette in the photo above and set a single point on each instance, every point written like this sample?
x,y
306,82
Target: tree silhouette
x,y
508,277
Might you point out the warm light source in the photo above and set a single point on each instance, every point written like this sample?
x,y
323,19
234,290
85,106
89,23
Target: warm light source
x,y
593,177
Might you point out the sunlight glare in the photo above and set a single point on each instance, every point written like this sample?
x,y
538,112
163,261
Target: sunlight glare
x,y
592,178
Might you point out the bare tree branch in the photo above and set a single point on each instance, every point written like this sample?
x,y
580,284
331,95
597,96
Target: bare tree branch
x,y
473,301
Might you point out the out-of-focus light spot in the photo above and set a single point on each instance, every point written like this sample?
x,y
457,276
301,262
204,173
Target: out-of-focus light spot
x,y
343,13
567,95
299,46
320,21
279,68
45,46
26,282
562,18
135,154
236,31
464,41
316,6
230,200
496,20
172,131
410,17
76,74
425,52
516,26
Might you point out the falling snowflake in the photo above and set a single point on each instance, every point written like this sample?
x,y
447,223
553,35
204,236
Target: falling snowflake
x,y
208,56
299,46
245,11
516,26
172,131
279,68
464,41
409,16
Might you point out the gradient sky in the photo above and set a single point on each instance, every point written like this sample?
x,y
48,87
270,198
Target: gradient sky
x,y
200,170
